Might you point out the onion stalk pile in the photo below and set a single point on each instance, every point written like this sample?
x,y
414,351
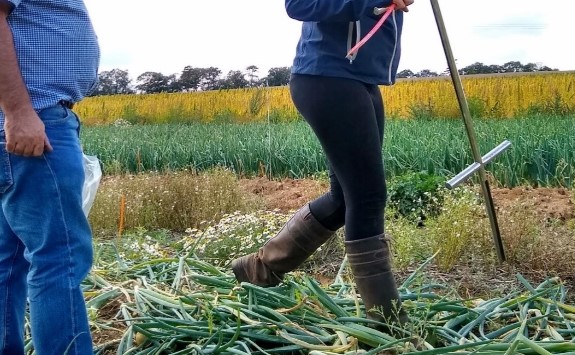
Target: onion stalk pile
x,y
188,306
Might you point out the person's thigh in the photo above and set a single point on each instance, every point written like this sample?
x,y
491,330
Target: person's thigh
x,y
341,113
44,209
13,271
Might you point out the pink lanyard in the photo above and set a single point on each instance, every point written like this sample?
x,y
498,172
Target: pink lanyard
x,y
377,26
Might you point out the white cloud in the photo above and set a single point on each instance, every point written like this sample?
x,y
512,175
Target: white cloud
x,y
141,35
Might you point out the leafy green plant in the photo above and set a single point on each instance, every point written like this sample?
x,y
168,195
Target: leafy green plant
x,y
225,116
558,106
461,233
131,114
422,111
416,196
257,101
477,107
409,243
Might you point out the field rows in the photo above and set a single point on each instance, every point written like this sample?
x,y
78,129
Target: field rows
x,y
543,151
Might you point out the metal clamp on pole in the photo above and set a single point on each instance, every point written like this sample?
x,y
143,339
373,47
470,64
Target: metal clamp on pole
x,y
479,165
473,168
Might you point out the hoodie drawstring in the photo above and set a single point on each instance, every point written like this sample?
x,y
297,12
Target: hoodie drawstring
x,y
352,53
350,39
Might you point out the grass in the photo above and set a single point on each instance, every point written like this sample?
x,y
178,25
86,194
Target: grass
x,y
543,153
175,201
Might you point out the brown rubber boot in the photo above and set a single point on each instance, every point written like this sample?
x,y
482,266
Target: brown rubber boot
x,y
294,243
371,266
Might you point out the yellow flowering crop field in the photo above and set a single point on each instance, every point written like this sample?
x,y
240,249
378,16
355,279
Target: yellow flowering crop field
x,y
489,96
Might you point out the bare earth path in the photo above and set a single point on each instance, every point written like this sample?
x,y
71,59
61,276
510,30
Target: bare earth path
x,y
289,194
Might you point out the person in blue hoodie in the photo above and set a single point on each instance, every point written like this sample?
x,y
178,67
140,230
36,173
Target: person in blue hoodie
x,y
340,99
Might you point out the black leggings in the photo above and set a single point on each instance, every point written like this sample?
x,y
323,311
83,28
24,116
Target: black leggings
x,y
348,119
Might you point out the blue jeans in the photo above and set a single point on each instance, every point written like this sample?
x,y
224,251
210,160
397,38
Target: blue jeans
x,y
45,243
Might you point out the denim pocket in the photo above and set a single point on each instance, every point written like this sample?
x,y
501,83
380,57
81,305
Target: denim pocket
x,y
61,124
6,180
56,115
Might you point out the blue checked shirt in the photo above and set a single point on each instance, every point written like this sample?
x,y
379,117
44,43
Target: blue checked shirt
x,y
57,50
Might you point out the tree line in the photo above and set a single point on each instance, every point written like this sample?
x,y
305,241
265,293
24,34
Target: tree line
x,y
479,68
117,81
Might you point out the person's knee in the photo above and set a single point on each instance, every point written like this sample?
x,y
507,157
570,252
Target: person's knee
x,y
64,265
329,210
83,255
369,204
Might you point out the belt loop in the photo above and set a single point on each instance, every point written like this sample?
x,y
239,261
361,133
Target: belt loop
x,y
66,104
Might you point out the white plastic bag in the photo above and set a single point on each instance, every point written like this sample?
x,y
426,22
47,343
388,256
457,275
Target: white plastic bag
x,y
93,174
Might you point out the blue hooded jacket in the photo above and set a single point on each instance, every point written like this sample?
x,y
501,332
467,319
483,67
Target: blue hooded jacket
x,y
332,27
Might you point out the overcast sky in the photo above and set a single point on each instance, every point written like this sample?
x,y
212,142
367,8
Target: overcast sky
x,y
165,36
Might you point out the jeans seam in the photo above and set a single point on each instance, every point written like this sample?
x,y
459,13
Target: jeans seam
x,y
8,172
70,258
5,335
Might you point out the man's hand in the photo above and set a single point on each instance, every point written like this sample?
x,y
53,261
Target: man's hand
x,y
25,134
402,4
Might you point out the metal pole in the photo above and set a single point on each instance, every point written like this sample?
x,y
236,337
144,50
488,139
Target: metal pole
x,y
470,131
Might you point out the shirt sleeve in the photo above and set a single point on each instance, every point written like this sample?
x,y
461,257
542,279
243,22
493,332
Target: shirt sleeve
x,y
331,10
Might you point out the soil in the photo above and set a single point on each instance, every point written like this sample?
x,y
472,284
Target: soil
x,y
289,194
284,195
552,203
